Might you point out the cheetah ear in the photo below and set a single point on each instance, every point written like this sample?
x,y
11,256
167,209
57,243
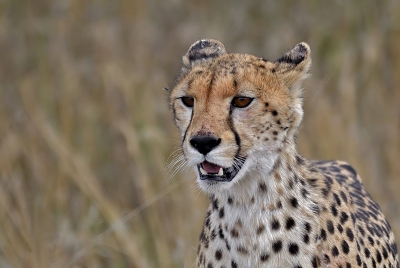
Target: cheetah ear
x,y
294,65
202,51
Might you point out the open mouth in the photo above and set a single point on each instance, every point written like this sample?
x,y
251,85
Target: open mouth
x,y
210,171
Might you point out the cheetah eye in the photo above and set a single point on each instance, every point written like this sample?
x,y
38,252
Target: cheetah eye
x,y
188,101
241,102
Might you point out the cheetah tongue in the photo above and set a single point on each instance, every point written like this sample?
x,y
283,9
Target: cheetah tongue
x,y
211,168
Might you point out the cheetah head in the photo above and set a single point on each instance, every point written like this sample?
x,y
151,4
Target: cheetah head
x,y
237,112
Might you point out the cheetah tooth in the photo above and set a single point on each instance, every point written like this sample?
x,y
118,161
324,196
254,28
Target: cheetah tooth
x,y
220,172
203,172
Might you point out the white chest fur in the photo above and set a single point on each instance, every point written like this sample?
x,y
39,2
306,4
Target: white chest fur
x,y
273,227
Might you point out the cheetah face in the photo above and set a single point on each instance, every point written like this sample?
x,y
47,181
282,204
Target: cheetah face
x,y
236,112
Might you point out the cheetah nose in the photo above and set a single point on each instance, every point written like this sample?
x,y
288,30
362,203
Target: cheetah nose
x,y
204,144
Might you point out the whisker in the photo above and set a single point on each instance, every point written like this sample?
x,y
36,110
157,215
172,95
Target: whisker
x,y
181,166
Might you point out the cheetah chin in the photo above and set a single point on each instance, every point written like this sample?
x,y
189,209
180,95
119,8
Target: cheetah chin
x,y
213,172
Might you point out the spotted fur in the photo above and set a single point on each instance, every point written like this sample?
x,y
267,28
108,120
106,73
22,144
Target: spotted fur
x,y
239,116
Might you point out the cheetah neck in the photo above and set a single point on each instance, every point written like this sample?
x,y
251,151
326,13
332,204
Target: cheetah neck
x,y
256,215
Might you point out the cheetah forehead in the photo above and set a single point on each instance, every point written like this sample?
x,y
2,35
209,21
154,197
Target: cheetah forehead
x,y
207,66
229,75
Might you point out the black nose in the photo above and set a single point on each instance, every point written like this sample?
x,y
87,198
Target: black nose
x,y
204,144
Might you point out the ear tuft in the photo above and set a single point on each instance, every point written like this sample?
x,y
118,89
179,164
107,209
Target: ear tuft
x,y
202,51
293,65
296,55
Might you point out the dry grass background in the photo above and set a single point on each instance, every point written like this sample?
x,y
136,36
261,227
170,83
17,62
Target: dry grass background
x,y
85,130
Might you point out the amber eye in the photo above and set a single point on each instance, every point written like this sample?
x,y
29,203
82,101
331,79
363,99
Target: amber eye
x,y
241,102
188,101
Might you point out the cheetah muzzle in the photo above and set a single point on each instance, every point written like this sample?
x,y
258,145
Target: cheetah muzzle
x,y
239,116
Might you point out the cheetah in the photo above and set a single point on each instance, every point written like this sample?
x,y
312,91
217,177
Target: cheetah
x,y
239,116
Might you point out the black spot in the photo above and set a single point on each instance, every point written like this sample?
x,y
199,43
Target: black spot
x,y
335,169
304,192
312,182
378,256
263,186
221,212
264,257
275,224
325,191
210,265
326,259
345,247
339,227
306,238
358,260
344,197
260,229
384,252
274,113
293,248
343,217
277,246
207,222
371,240
290,223
330,227
218,254
215,203
323,234
307,227
315,262
213,234
234,264
221,233
348,265
334,210
242,250
350,234
204,239
293,201
335,251
228,247
275,133
366,252
234,233
230,200
350,169
299,159
315,209
338,202
266,104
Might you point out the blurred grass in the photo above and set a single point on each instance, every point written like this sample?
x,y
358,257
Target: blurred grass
x,y
85,130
